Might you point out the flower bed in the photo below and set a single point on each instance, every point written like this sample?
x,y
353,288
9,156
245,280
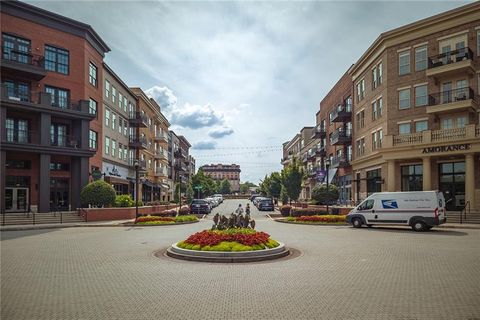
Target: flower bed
x,y
238,239
319,219
155,220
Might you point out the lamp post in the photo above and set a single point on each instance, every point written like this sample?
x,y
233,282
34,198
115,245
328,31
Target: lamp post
x,y
327,165
136,165
198,188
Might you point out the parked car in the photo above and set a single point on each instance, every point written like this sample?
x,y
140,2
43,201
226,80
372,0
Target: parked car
x,y
200,206
265,204
253,196
421,210
256,200
212,201
219,197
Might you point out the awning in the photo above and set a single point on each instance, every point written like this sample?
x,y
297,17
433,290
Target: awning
x,y
148,183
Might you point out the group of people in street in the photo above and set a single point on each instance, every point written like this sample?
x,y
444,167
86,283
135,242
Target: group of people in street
x,y
240,209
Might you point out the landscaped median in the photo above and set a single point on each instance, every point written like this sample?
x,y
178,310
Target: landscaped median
x,y
310,216
156,220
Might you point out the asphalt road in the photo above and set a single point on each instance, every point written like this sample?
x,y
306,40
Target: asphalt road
x,y
339,273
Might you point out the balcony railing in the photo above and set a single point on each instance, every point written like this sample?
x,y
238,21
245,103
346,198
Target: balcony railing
x,y
66,141
319,132
311,154
179,154
450,57
450,96
340,161
22,136
137,118
312,172
407,138
340,137
342,113
434,136
15,94
138,142
305,158
321,151
142,164
22,57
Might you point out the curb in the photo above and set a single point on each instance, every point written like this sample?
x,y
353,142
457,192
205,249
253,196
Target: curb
x,y
158,225
312,224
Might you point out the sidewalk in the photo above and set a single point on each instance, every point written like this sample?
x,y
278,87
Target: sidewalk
x,y
113,223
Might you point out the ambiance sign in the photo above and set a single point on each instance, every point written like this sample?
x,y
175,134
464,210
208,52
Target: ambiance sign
x,y
452,147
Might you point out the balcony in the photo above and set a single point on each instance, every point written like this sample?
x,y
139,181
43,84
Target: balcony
x,y
341,137
159,172
179,154
319,132
160,155
340,162
138,142
138,119
462,99
428,137
181,167
305,158
312,172
321,151
450,63
31,141
42,102
342,113
23,64
160,137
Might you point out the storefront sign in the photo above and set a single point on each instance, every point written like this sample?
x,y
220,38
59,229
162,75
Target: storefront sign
x,y
114,172
452,147
117,171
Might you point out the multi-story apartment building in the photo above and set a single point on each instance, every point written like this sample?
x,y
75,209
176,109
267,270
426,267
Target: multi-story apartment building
x,y
416,109
219,172
182,157
50,127
334,133
150,141
119,105
307,159
173,144
291,150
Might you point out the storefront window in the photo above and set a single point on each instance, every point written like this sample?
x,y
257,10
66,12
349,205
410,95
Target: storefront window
x,y
374,179
452,184
412,178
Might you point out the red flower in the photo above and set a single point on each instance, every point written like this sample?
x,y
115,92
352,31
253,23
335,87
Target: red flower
x,y
211,238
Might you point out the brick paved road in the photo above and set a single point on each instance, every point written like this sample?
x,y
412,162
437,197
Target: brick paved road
x,y
342,273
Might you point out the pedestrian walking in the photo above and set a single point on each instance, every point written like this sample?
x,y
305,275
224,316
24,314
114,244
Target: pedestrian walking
x,y
247,209
239,209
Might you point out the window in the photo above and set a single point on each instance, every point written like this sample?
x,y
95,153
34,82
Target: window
x,y
377,109
60,97
114,147
380,138
18,91
59,166
107,88
361,90
374,78
92,77
404,63
125,128
404,98
377,138
361,119
16,49
367,205
120,124
114,120
412,177
18,164
56,59
478,43
92,107
120,100
377,76
125,153
447,123
125,104
374,181
380,73
421,58
17,130
421,96
58,135
107,117
92,142
380,107
461,122
114,93
107,145
361,147
421,125
120,151
404,128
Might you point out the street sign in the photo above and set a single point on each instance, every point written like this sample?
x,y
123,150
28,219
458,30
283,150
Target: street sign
x,y
97,174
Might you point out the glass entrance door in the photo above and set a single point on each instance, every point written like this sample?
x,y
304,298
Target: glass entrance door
x,y
452,184
16,199
59,194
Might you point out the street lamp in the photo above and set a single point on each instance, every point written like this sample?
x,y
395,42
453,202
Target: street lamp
x,y
327,165
136,165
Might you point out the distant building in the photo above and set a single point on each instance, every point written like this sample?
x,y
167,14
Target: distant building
x,y
231,172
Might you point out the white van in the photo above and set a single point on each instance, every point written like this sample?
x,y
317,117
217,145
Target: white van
x,y
421,210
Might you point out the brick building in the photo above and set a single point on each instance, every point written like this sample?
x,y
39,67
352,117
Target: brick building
x,y
417,88
220,172
51,92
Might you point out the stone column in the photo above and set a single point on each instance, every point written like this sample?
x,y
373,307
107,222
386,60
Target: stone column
x,y
470,179
3,176
44,183
427,174
391,175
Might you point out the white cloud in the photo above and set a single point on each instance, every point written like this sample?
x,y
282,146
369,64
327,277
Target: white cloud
x,y
164,97
221,132
204,145
196,116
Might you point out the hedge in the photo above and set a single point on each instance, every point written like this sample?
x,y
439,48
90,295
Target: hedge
x,y
98,194
285,210
298,212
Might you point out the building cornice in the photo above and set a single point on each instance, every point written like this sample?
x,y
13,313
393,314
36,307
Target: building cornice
x,y
118,79
55,21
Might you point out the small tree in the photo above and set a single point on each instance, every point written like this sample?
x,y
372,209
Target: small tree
x,y
323,196
189,193
275,185
124,200
292,178
98,194
225,187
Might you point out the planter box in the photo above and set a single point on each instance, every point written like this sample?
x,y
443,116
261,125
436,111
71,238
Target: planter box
x,y
107,214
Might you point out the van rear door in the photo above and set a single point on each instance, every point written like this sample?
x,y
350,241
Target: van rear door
x,y
442,211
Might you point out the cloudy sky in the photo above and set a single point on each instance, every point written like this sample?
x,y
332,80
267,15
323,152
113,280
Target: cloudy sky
x,y
239,78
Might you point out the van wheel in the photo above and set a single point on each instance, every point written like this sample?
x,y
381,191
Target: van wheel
x,y
357,223
419,226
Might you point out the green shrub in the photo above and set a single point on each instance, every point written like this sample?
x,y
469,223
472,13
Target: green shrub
x,y
140,203
184,211
285,210
186,218
98,194
321,195
298,212
123,201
